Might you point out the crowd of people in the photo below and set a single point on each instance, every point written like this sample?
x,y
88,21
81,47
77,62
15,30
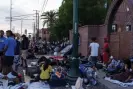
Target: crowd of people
x,y
46,47
11,49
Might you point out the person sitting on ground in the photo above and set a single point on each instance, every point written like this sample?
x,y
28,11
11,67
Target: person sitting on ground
x,y
115,66
125,76
31,54
45,70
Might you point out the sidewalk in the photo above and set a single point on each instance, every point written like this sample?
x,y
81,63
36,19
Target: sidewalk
x,y
108,84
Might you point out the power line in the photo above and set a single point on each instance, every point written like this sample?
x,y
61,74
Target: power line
x,y
44,7
37,23
24,15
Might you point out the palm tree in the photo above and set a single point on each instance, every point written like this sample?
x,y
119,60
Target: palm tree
x,y
49,18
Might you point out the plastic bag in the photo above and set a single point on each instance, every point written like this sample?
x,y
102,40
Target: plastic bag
x,y
79,83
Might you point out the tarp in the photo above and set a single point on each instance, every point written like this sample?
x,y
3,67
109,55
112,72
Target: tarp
x,y
66,49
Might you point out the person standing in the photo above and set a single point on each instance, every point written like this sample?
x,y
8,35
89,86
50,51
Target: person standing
x,y
17,54
10,45
2,45
94,51
24,48
106,51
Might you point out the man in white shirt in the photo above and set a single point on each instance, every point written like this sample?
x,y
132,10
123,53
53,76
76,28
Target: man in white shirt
x,y
94,50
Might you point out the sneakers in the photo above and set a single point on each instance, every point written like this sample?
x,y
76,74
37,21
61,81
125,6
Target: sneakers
x,y
11,76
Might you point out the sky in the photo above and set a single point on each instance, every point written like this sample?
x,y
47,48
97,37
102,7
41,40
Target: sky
x,y
22,7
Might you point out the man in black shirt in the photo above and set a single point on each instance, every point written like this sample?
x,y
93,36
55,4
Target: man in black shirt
x,y
24,48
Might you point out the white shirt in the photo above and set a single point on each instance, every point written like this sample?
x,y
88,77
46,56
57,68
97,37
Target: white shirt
x,y
94,49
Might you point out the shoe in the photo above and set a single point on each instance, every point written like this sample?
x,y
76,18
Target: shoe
x,y
11,83
11,76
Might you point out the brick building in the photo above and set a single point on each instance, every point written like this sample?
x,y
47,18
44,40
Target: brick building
x,y
118,26
44,34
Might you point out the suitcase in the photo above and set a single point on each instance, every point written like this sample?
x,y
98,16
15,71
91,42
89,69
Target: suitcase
x,y
32,70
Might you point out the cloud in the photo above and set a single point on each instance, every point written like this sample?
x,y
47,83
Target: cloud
x,y
22,7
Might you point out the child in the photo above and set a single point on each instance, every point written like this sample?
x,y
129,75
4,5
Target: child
x,y
45,70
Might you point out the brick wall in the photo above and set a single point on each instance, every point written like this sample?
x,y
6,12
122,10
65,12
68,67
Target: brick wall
x,y
121,44
83,48
86,33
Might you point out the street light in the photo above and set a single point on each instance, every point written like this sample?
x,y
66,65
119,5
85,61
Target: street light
x,y
74,72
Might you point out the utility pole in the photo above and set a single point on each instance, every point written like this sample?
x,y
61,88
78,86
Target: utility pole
x,y
37,23
74,72
34,28
21,26
10,14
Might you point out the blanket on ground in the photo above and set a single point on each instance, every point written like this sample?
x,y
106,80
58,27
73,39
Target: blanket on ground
x,y
119,83
38,85
35,85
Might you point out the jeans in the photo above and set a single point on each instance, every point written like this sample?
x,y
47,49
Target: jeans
x,y
94,60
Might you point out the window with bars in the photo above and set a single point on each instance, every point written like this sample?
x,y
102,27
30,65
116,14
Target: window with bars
x,y
128,27
114,27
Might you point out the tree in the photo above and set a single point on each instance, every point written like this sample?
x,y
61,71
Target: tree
x,y
91,12
49,18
